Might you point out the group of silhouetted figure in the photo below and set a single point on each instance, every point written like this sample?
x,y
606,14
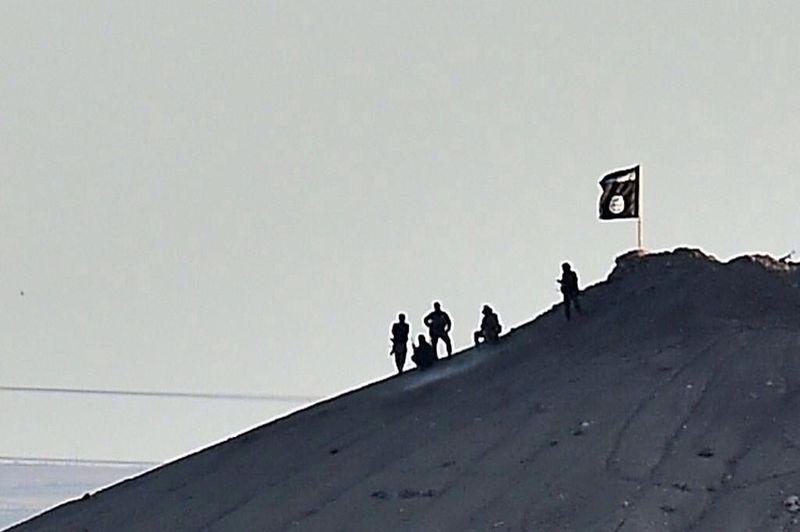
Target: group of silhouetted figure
x,y
439,325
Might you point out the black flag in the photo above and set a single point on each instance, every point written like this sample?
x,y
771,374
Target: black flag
x,y
620,198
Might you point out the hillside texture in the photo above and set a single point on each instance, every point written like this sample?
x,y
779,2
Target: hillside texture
x,y
672,404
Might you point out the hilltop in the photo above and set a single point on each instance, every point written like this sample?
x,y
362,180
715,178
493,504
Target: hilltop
x,y
670,405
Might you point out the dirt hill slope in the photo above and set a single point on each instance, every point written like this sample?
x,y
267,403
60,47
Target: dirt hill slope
x,y
671,405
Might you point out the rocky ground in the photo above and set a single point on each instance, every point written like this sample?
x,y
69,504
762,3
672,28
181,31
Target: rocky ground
x,y
669,405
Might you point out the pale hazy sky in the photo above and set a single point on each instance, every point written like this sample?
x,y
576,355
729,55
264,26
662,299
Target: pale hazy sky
x,y
239,197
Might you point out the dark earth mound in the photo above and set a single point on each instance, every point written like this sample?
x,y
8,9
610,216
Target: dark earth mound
x,y
670,405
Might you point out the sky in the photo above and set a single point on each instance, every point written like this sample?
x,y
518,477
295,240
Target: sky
x,y
239,197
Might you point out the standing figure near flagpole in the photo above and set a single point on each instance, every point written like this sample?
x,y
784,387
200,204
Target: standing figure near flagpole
x,y
569,288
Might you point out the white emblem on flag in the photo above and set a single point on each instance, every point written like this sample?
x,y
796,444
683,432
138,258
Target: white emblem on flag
x,y
625,178
617,204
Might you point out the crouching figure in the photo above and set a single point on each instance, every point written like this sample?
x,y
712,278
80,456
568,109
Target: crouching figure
x,y
490,327
424,356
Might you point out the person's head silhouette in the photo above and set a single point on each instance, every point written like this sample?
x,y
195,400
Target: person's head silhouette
x,y
401,317
487,309
422,339
566,267
437,305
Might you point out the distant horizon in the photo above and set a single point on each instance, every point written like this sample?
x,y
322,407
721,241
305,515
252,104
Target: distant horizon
x,y
37,461
53,484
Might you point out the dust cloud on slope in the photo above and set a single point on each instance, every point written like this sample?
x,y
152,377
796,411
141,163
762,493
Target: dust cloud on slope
x,y
671,404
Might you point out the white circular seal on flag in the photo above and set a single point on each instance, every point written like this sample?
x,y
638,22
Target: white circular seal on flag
x,y
617,204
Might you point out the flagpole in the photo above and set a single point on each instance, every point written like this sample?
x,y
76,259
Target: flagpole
x,y
639,232
639,235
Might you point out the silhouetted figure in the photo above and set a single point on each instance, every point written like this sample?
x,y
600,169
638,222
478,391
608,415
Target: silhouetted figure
x,y
400,332
424,355
439,325
569,287
490,327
